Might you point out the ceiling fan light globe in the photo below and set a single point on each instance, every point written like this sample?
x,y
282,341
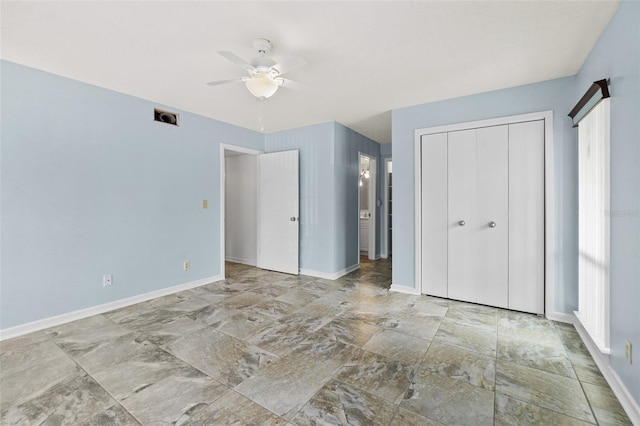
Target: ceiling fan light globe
x,y
261,86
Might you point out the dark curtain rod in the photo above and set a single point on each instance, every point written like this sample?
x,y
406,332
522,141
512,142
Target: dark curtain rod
x,y
598,86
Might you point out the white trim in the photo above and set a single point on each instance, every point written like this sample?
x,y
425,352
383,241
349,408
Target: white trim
x,y
373,206
617,386
384,252
417,220
329,276
549,209
602,361
624,396
235,148
45,323
499,121
404,289
579,322
547,116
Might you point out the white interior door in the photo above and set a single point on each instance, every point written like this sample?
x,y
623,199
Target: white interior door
x,y
462,222
278,210
526,210
482,214
492,227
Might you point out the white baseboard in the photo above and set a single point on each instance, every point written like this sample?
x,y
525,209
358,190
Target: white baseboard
x,y
45,323
617,386
240,260
404,289
330,276
602,361
626,400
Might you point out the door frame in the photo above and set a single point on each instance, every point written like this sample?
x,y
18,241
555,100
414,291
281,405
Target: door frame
x,y
235,148
549,244
373,193
384,251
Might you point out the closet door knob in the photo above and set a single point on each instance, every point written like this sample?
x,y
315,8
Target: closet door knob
x,y
462,223
492,224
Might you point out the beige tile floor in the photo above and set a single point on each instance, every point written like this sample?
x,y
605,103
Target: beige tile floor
x,y
263,348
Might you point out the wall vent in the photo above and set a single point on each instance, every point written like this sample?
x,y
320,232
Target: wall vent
x,y
165,116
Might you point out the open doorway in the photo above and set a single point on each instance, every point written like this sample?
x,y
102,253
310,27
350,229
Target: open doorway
x,y
367,206
259,209
238,205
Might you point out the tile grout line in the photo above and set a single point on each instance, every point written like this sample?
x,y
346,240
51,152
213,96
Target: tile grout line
x,y
495,376
93,378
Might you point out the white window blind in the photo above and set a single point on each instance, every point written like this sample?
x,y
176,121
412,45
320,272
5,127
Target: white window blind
x,y
593,218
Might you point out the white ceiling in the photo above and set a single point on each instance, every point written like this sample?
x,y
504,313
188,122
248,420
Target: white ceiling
x,y
365,58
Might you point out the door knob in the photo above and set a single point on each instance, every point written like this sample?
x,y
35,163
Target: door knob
x,y
462,223
492,224
293,218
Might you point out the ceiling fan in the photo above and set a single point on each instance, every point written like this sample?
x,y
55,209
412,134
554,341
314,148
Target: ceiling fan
x,y
265,75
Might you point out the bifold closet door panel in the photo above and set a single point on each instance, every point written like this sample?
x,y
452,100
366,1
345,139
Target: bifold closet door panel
x,y
492,226
434,214
462,223
526,210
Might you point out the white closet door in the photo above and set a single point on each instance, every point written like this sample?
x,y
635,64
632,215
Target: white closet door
x,y
462,222
434,214
492,222
526,209
278,211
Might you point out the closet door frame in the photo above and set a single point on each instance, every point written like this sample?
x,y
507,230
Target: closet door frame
x,y
549,246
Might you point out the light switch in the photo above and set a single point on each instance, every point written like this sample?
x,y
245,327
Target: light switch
x,y
205,204
107,280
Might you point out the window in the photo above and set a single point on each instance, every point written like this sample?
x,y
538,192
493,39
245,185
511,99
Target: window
x,y
593,219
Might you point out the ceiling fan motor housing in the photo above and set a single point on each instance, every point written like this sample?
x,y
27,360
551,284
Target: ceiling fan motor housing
x,y
262,45
262,62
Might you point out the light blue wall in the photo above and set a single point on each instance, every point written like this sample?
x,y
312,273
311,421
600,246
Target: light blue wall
x,y
348,145
315,144
385,149
617,56
556,95
91,185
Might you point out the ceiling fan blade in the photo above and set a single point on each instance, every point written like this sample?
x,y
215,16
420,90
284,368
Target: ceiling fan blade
x,y
294,85
230,80
235,59
289,65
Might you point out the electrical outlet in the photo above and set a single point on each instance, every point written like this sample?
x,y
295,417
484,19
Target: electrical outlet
x,y
627,351
186,265
106,280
